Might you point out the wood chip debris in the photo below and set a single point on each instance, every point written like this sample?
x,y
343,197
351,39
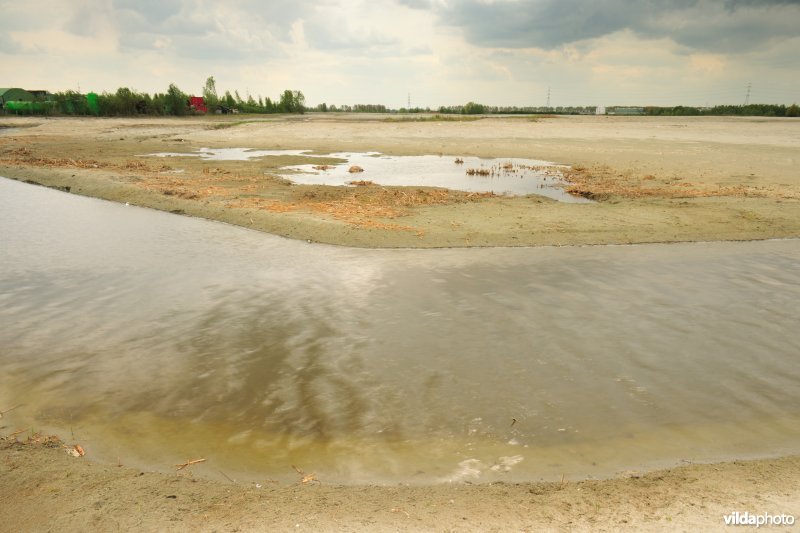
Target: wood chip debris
x,y
306,478
75,451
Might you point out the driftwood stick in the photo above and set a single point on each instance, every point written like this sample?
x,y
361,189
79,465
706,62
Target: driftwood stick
x,y
189,463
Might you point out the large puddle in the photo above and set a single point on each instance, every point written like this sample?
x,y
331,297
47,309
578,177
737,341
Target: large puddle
x,y
157,339
511,176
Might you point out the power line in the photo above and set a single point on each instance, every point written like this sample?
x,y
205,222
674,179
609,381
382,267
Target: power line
x,y
747,96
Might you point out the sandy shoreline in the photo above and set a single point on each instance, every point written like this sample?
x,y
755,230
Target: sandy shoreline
x,y
655,179
44,488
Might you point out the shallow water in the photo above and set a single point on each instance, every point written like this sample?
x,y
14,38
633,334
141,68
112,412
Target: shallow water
x,y
155,339
229,154
512,176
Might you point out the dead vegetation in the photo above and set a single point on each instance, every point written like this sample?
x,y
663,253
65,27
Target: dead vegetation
x,y
36,438
24,156
479,172
508,168
602,183
361,206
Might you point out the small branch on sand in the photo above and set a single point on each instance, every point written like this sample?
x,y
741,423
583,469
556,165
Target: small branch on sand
x,y
227,476
399,510
189,463
14,435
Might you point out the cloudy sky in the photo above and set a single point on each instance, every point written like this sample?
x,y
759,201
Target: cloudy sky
x,y
442,52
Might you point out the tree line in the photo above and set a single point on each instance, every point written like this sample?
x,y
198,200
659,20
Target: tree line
x,y
757,110
173,102
288,102
750,110
474,108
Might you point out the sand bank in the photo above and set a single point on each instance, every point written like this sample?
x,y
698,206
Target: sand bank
x,y
654,179
43,488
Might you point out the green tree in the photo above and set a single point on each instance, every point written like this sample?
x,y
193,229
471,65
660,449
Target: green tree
x,y
299,102
292,102
286,102
474,109
176,102
124,102
210,92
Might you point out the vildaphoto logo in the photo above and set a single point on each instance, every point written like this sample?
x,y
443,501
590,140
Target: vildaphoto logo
x,y
763,519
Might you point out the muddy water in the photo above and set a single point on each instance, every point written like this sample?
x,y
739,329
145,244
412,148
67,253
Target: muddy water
x,y
510,176
154,339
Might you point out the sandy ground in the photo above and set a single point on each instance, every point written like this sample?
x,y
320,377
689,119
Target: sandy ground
x,y
44,489
655,179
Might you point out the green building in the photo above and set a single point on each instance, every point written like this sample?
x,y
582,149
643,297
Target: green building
x,y
15,95
625,111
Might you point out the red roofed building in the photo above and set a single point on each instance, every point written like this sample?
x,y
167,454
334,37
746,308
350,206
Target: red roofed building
x,y
196,103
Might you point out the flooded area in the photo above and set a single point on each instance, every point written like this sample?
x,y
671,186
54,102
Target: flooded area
x,y
511,176
229,154
153,339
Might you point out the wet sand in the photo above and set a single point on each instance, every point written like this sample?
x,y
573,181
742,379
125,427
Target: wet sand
x,y
654,179
43,488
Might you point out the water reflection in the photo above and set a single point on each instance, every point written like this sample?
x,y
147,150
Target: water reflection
x,y
155,338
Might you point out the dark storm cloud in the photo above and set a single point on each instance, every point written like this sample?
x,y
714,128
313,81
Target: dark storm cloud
x,y
711,25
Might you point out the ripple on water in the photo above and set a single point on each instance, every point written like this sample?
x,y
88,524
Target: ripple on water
x,y
156,338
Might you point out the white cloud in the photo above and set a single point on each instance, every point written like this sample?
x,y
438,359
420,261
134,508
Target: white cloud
x,y
445,52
